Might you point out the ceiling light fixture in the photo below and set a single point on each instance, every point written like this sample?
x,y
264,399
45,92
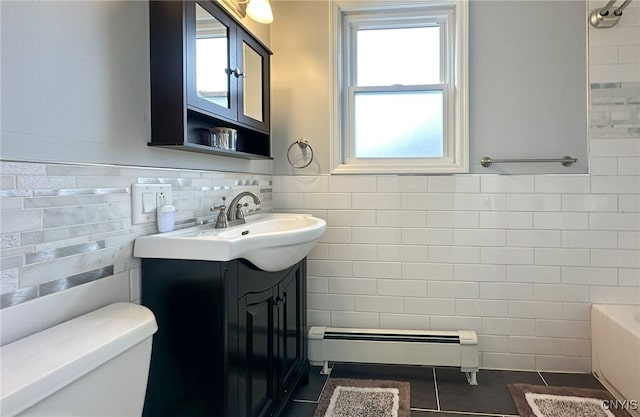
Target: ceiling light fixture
x,y
258,10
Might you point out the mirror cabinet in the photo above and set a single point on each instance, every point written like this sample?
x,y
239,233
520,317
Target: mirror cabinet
x,y
207,71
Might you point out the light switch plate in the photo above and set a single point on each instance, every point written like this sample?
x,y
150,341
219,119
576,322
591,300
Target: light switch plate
x,y
145,211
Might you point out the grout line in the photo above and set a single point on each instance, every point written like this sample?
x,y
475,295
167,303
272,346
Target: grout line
x,y
435,385
543,380
305,401
462,413
325,383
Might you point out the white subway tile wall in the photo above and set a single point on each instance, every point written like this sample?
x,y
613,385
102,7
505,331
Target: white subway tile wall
x,y
519,259
65,225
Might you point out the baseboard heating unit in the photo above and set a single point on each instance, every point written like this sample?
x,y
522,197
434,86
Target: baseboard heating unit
x,y
401,347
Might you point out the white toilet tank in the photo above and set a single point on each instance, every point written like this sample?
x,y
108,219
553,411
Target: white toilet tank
x,y
94,365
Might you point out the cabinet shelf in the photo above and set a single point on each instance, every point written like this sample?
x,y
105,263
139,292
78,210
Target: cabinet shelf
x,y
195,147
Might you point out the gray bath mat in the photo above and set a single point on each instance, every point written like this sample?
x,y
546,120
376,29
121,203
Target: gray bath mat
x,y
363,398
543,401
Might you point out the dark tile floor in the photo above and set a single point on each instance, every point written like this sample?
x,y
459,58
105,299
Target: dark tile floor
x,y
439,392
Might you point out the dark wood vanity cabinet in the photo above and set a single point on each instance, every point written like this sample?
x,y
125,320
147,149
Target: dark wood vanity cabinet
x,y
207,70
230,340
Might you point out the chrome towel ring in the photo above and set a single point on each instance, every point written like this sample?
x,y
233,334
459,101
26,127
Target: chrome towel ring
x,y
303,144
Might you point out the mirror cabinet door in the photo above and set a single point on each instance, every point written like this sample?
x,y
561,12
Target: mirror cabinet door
x,y
212,58
252,83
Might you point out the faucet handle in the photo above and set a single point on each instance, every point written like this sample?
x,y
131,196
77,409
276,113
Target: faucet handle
x,y
222,207
222,221
239,212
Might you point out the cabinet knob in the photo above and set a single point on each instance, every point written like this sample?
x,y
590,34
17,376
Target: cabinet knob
x,y
237,72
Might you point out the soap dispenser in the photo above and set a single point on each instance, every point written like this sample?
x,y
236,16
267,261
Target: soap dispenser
x,y
166,218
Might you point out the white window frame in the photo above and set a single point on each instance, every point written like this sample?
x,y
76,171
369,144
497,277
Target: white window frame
x,y
452,17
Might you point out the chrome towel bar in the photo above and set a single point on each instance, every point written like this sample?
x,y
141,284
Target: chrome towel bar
x,y
566,161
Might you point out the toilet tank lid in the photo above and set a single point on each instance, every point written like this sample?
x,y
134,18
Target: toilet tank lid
x,y
39,365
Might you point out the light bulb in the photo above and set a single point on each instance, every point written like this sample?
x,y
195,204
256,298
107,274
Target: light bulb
x,y
260,11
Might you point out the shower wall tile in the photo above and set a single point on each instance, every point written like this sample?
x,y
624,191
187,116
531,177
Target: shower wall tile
x,y
418,201
535,345
629,240
534,238
404,321
628,277
432,271
507,184
405,218
590,276
629,166
506,220
563,328
614,295
456,322
535,309
469,272
447,219
603,166
589,202
600,55
534,202
505,291
568,363
431,306
482,308
629,203
629,54
508,361
566,184
357,319
533,273
350,183
352,217
590,239
406,288
379,304
562,256
557,292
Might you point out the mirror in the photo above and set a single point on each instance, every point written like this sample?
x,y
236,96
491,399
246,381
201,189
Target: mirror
x,y
252,83
212,58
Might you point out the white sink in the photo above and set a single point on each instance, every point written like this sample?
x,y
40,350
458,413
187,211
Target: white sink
x,y
271,241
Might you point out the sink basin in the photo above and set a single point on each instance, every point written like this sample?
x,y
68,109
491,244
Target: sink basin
x,y
271,241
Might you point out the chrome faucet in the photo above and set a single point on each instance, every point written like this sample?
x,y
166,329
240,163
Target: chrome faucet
x,y
235,208
234,214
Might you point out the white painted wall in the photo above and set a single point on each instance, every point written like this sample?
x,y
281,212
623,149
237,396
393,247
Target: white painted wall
x,y
75,86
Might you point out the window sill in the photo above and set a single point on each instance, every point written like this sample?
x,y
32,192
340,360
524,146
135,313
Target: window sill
x,y
417,169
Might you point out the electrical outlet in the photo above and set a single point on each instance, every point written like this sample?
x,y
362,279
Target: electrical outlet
x,y
146,198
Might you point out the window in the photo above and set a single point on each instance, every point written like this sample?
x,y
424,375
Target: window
x,y
400,98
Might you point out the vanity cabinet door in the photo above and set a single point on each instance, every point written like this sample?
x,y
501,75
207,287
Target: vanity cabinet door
x,y
291,314
257,375
272,326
